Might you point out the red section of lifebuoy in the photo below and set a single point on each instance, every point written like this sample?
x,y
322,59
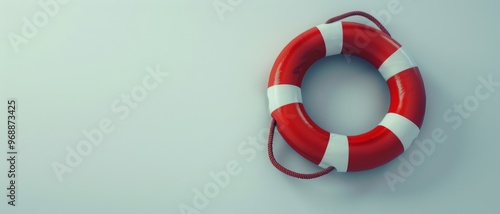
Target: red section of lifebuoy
x,y
408,95
307,138
368,43
297,57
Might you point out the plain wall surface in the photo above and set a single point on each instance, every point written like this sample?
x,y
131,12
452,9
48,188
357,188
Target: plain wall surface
x,y
85,66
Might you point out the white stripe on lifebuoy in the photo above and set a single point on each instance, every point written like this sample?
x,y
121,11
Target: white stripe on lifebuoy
x,y
403,128
333,37
397,62
336,153
280,95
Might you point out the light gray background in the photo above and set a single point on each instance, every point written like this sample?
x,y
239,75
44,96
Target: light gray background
x,y
214,101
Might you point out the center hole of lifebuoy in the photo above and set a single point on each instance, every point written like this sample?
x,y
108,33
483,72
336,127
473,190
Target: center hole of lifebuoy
x,y
345,95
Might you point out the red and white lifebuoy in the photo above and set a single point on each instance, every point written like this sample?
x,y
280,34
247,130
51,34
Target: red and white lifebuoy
x,y
378,146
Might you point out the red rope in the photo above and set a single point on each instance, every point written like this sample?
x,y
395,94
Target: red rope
x,y
281,167
359,13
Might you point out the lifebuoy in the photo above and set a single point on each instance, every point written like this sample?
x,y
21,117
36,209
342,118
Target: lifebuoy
x,y
389,138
